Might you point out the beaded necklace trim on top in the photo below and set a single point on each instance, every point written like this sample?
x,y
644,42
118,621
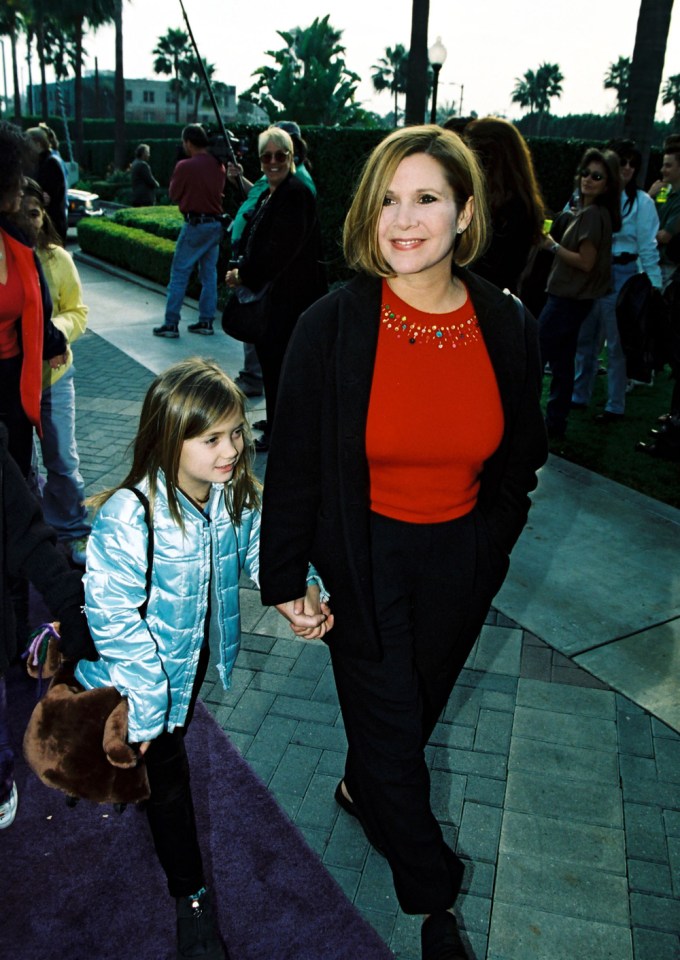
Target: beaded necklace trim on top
x,y
453,335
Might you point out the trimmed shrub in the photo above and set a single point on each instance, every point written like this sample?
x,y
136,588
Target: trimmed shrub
x,y
136,250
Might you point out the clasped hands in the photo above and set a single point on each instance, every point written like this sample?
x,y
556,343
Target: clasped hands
x,y
309,616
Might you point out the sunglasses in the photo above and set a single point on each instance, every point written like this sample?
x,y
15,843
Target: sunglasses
x,y
593,174
280,156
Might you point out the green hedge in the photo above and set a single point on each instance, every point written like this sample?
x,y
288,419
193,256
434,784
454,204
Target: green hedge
x,y
132,249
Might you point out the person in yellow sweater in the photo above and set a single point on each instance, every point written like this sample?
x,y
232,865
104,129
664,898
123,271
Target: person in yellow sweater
x,y
63,492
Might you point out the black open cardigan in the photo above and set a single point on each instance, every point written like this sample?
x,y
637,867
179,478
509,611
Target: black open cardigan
x,y
316,492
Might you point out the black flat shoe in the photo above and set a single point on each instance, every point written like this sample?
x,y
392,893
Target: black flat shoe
x,y
609,417
439,938
350,807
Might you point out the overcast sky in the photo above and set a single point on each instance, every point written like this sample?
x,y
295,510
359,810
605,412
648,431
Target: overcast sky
x,y
490,43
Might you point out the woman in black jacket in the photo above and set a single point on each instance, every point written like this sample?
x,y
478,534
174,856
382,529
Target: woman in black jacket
x,y
407,440
282,247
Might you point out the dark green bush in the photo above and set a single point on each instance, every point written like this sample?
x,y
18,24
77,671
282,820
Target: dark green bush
x,y
136,250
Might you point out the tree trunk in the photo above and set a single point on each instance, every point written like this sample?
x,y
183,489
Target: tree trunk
x,y
40,45
78,91
15,76
119,92
416,83
645,75
29,45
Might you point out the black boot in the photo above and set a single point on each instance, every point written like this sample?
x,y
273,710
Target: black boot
x,y
197,933
440,939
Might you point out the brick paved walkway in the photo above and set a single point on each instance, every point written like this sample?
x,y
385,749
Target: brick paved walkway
x,y
563,795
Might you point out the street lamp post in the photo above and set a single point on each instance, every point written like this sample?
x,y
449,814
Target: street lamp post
x,y
437,56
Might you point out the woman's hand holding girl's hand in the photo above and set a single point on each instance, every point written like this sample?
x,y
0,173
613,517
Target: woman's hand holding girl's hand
x,y
232,278
308,616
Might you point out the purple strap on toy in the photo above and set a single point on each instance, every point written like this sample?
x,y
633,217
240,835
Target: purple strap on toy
x,y
36,651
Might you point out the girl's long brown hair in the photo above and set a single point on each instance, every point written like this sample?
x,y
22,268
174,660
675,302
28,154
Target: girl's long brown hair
x,y
183,402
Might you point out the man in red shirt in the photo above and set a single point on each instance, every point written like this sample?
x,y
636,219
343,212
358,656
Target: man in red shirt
x,y
197,186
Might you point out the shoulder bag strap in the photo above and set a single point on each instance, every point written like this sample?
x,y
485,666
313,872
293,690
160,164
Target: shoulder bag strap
x,y
149,545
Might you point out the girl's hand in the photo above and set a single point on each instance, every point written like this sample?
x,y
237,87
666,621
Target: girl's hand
x,y
57,362
308,617
234,170
548,242
232,278
143,747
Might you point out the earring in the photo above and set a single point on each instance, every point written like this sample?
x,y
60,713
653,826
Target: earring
x,y
459,230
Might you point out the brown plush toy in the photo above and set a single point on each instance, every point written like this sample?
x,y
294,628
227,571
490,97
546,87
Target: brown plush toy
x,y
76,742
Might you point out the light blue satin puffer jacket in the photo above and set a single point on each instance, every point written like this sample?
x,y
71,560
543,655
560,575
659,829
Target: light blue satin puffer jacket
x,y
154,661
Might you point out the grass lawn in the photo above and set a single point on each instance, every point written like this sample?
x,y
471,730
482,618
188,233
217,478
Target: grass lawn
x,y
610,449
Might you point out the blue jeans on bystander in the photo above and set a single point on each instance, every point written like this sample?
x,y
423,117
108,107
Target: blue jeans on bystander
x,y
197,244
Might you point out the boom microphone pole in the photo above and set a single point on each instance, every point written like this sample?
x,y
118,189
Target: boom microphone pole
x,y
218,115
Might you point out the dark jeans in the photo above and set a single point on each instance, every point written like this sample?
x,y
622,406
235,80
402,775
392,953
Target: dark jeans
x,y
170,808
433,585
558,329
19,427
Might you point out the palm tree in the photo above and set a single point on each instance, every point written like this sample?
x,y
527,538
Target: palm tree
x,y
119,90
417,84
537,88
10,26
78,14
391,73
671,94
617,78
172,51
646,71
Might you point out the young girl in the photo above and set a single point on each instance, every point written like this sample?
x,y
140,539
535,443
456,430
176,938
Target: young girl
x,y
192,457
64,492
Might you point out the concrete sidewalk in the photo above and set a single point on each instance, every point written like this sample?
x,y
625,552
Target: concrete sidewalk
x,y
556,766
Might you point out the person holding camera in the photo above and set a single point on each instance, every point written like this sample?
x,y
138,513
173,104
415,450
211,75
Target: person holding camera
x,y
197,186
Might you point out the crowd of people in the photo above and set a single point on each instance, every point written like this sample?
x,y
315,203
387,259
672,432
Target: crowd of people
x,y
386,540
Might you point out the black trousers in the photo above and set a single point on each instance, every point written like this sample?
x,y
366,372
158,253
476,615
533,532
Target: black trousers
x,y
19,427
170,808
270,353
433,585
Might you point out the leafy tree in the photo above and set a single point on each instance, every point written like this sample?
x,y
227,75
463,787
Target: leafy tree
x,y
617,78
671,94
646,70
391,73
173,52
310,81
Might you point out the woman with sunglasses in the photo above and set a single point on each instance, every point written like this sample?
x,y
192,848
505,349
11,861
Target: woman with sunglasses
x,y
281,246
634,250
580,274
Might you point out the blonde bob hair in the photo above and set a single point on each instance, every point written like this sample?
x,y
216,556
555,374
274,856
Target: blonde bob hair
x,y
462,172
280,139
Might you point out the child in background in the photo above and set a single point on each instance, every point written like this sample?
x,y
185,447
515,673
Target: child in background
x,y
192,457
64,492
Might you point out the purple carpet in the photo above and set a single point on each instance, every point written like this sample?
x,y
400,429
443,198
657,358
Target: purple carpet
x,y
84,883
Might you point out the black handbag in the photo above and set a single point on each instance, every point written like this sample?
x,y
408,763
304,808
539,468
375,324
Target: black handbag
x,y
246,318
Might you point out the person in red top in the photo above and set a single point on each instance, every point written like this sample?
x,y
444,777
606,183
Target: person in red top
x,y
27,334
197,185
407,438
